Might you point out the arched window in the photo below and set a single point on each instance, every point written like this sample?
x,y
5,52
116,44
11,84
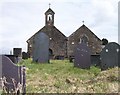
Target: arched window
x,y
84,39
49,17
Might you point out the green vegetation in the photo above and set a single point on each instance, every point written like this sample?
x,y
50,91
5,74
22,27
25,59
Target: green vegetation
x,y
60,76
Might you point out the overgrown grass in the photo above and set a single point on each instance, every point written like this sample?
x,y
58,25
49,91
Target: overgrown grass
x,y
60,76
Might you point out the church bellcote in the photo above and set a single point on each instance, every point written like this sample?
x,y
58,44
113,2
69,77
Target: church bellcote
x,y
49,17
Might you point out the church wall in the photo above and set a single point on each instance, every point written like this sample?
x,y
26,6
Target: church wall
x,y
57,41
93,42
60,45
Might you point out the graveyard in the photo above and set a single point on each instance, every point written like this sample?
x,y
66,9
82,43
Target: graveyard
x,y
85,73
54,63
62,77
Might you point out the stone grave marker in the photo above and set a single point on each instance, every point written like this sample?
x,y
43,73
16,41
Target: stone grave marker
x,y
95,60
82,56
13,77
110,56
25,55
41,48
13,58
18,53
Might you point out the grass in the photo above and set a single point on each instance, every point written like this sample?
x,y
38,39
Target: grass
x,y
60,76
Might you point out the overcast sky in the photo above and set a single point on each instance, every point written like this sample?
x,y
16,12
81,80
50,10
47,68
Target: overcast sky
x,y
20,19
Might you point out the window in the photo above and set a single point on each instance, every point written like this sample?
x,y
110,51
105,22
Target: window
x,y
49,17
84,39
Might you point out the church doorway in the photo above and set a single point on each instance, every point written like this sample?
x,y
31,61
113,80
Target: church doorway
x,y
50,53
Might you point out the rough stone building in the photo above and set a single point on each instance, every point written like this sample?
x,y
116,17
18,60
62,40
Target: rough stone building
x,y
84,34
60,45
58,41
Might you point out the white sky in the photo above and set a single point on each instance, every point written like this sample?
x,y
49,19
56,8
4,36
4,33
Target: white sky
x,y
20,19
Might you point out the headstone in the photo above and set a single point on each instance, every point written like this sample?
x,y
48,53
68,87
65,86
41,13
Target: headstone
x,y
82,56
25,55
95,60
18,53
13,77
41,48
110,56
13,58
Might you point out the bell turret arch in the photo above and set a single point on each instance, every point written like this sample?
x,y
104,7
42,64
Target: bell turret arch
x,y
49,17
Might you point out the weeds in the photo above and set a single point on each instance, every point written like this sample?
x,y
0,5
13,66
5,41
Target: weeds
x,y
60,76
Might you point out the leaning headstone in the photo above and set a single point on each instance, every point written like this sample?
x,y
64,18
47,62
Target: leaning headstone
x,y
41,48
13,77
13,58
82,56
110,56
18,53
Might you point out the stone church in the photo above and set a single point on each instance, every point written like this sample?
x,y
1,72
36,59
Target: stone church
x,y
84,35
58,41
60,45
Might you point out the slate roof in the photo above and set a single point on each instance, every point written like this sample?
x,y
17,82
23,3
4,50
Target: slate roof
x,y
50,10
43,30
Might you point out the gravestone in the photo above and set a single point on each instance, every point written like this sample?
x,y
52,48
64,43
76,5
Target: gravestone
x,y
110,56
95,60
13,58
41,48
13,77
82,56
25,55
18,53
